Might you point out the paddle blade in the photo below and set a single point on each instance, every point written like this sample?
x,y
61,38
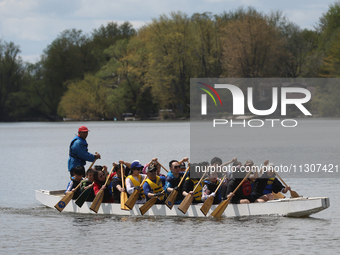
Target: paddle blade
x,y
83,196
132,199
220,209
64,201
294,194
97,201
123,199
278,195
183,207
171,199
144,208
207,205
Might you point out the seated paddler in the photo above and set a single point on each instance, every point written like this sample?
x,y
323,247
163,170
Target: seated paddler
x,y
153,186
76,179
267,184
134,180
189,185
210,186
116,185
173,179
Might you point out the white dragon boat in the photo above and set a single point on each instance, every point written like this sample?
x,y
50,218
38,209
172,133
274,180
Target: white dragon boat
x,y
291,207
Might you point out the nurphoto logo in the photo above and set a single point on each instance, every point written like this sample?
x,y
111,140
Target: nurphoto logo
x,y
238,106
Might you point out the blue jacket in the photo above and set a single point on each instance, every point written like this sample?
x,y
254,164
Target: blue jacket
x,y
78,153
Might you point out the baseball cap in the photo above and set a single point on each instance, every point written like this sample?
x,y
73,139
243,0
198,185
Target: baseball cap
x,y
83,129
152,167
135,164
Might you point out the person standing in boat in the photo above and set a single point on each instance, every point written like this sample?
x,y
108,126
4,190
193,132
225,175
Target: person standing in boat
x,y
153,186
78,176
78,151
173,178
268,183
134,180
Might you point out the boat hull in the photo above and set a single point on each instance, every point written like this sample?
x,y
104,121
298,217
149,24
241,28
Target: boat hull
x,y
291,207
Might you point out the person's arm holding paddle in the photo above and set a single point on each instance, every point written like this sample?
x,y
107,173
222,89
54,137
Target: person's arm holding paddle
x,y
176,168
188,188
173,168
118,186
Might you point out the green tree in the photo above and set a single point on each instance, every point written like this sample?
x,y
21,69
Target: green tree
x,y
301,57
68,58
328,24
251,47
169,41
12,74
85,99
206,45
126,75
105,36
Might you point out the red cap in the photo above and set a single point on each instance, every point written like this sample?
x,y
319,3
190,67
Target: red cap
x,y
83,129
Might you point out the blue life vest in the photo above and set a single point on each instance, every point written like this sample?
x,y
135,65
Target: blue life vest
x,y
269,187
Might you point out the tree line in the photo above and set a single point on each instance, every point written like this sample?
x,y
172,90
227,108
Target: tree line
x,y
116,69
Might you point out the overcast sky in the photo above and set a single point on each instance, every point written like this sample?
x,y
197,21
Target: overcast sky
x,y
34,24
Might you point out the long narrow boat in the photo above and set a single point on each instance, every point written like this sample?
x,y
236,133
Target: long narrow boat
x,y
291,207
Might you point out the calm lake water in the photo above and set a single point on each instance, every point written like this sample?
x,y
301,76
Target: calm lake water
x,y
34,156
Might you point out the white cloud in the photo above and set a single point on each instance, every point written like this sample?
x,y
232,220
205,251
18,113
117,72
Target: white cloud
x,y
305,19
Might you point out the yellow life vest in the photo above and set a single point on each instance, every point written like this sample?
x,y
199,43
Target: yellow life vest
x,y
156,187
269,186
137,183
198,191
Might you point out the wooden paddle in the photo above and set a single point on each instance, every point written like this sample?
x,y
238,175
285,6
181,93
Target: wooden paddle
x,y
210,200
134,196
144,208
223,205
67,198
172,197
292,193
97,201
123,194
162,167
278,195
184,206
85,194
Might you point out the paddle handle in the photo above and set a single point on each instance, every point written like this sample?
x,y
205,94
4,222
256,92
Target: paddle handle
x,y
184,175
199,182
219,185
163,167
93,162
108,177
79,184
122,173
143,181
227,201
280,178
241,183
